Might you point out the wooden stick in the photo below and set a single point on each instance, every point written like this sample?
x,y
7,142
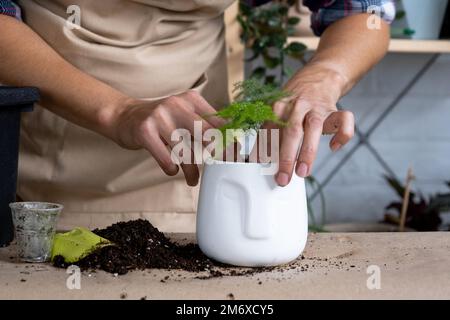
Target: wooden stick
x,y
409,178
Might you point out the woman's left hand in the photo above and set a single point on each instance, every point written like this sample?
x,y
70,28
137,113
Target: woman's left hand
x,y
310,112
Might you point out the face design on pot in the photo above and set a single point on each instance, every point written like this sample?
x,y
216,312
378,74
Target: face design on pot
x,y
252,209
257,208
245,218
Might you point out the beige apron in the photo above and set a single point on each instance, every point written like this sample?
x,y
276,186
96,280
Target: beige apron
x,y
147,49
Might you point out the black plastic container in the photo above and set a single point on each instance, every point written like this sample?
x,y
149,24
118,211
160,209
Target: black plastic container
x,y
445,31
13,101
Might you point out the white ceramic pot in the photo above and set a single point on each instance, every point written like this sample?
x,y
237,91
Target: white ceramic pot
x,y
245,219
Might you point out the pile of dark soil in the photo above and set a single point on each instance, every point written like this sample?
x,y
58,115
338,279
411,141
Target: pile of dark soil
x,y
139,245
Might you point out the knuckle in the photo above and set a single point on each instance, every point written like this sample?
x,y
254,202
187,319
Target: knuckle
x,y
278,108
192,94
145,128
286,163
205,126
314,120
159,113
295,128
307,152
348,115
144,133
347,134
174,100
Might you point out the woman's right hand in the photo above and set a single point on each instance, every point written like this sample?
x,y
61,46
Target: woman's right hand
x,y
149,125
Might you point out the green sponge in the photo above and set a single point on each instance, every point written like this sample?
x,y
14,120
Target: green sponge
x,y
77,244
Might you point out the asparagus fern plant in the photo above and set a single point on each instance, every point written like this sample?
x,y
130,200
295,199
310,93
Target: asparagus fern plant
x,y
252,106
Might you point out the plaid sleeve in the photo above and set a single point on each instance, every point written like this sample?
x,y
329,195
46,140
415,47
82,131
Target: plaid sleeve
x,y
9,8
325,12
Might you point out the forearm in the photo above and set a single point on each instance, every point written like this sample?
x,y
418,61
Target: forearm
x,y
26,60
347,50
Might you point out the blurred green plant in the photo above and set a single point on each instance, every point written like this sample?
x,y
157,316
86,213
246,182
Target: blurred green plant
x,y
401,32
265,31
423,213
315,226
252,90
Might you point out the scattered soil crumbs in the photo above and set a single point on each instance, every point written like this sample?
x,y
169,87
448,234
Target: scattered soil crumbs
x,y
138,245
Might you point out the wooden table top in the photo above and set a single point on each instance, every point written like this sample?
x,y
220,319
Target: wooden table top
x,y
335,265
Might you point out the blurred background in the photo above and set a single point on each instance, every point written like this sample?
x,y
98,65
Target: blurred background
x,y
402,110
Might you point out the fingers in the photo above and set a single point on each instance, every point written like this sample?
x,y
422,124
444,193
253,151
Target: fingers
x,y
343,124
153,126
261,152
204,109
305,127
191,174
291,137
189,168
155,135
166,126
182,112
152,142
183,115
339,122
313,125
